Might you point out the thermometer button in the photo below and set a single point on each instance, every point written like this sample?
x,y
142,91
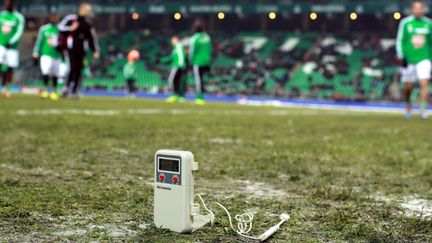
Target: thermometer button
x,y
175,179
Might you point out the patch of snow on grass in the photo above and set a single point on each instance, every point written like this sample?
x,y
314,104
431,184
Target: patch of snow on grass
x,y
411,205
260,189
71,232
143,226
225,141
416,206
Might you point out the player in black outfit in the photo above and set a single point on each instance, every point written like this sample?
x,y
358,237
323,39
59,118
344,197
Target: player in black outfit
x,y
79,34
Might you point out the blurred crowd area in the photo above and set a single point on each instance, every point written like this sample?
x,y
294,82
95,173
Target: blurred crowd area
x,y
356,66
213,2
292,56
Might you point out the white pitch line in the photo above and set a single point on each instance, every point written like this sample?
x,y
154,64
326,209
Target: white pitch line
x,y
69,112
91,112
328,107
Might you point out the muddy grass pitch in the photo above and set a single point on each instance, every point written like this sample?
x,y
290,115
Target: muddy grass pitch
x,y
83,171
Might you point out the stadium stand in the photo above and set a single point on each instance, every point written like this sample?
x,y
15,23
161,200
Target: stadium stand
x,y
251,63
289,57
209,1
359,66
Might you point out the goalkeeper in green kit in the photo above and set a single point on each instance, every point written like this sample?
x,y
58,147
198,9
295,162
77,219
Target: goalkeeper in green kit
x,y
200,55
414,50
12,26
46,51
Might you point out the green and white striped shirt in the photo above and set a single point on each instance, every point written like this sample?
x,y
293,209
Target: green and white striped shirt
x,y
12,28
414,39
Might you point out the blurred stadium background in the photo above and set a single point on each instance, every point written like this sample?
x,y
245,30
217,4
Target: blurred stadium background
x,y
328,49
83,171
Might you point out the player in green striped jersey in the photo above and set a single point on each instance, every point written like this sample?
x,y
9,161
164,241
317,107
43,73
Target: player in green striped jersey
x,y
47,52
178,69
414,50
130,72
200,55
12,26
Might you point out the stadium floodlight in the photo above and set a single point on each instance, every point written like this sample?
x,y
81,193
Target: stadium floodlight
x,y
174,206
313,16
221,15
353,16
272,15
177,16
135,16
397,16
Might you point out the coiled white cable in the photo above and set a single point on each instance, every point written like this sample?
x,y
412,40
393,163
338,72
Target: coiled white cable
x,y
244,222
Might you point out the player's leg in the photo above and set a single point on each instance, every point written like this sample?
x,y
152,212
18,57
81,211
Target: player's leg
x,y
63,73
54,74
68,83
45,65
12,61
424,96
130,86
199,85
44,93
7,79
54,95
408,76
77,83
178,90
3,58
76,74
171,85
126,87
64,69
4,91
181,86
72,73
407,94
424,70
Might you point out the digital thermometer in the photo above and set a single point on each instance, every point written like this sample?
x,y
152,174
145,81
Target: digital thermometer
x,y
174,206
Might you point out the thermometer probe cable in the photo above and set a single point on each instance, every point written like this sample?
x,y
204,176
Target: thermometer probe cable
x,y
244,222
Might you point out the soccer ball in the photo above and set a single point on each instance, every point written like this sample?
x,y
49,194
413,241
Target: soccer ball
x,y
133,55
